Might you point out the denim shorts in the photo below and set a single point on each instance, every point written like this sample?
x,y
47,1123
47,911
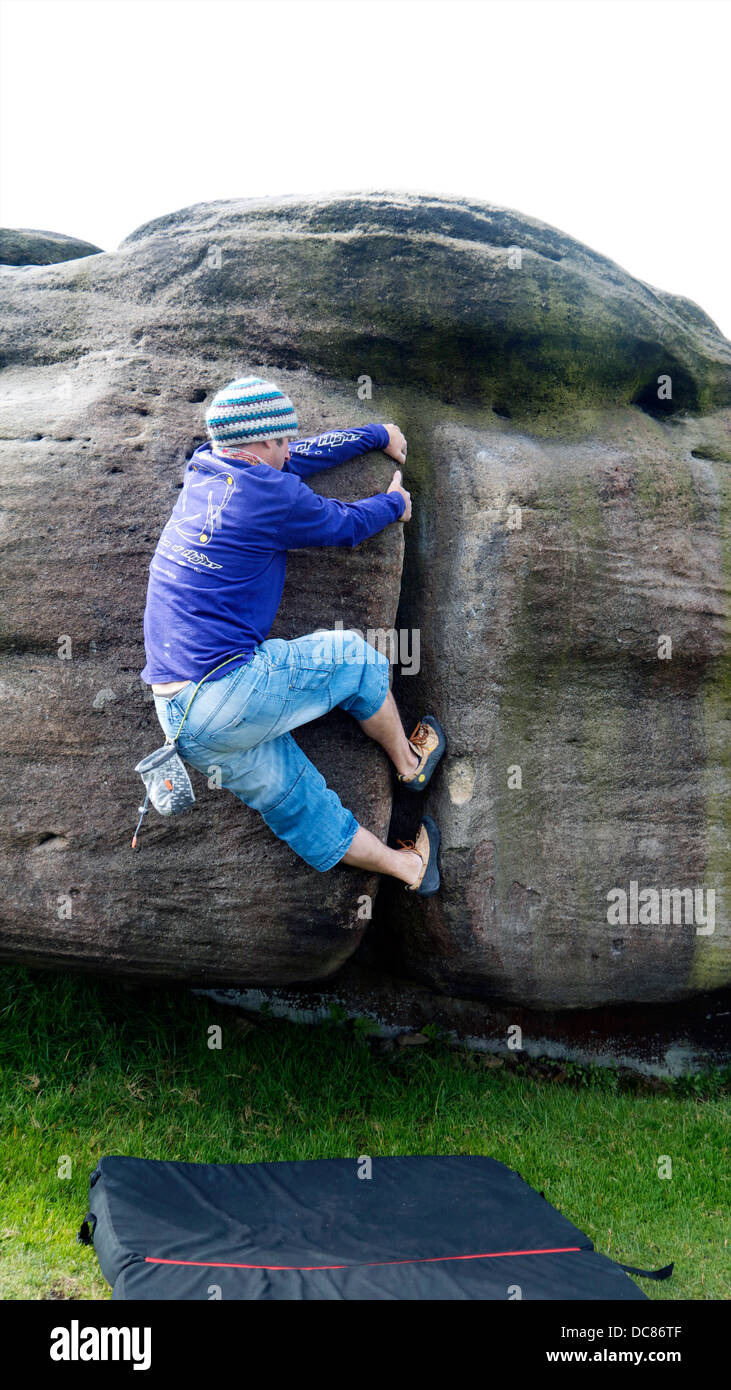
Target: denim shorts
x,y
238,730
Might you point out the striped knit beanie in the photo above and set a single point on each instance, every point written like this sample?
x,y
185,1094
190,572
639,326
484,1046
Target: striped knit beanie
x,y
249,409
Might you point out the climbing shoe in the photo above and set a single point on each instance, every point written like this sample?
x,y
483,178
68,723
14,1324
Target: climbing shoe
x,y
426,845
428,742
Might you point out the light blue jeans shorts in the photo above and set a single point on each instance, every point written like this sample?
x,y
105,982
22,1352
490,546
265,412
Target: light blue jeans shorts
x,y
238,731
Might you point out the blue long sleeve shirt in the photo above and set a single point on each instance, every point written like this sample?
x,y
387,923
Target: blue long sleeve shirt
x,y
217,575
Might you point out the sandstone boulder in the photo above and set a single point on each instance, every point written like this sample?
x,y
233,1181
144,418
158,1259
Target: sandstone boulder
x,y
568,433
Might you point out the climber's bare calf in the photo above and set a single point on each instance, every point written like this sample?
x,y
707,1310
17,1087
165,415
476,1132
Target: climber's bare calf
x,y
386,728
366,850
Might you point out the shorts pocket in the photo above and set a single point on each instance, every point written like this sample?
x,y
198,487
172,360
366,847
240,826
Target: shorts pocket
x,y
309,677
227,708
262,715
307,671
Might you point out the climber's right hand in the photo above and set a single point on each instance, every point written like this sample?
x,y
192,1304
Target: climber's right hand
x,y
396,487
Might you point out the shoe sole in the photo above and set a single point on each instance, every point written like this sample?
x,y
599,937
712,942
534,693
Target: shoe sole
x,y
431,880
432,760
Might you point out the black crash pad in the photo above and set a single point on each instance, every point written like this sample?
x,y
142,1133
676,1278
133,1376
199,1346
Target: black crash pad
x,y
418,1228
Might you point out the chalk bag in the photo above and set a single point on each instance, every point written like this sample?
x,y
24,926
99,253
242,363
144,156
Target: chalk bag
x,y
167,784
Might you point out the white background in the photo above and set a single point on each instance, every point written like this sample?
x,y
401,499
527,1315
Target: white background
x,y
607,120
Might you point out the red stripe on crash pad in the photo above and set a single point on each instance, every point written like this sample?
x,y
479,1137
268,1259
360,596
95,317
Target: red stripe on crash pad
x,y
376,1264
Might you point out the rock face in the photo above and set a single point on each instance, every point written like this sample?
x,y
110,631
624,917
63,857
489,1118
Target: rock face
x,y
211,893
21,247
568,428
578,664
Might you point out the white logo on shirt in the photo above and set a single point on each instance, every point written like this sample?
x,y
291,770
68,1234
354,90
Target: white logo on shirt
x,y
203,499
195,557
326,441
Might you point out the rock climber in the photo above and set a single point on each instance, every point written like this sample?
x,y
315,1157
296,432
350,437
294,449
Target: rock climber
x,y
215,585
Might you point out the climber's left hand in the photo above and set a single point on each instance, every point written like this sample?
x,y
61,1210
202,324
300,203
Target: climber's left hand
x,y
397,447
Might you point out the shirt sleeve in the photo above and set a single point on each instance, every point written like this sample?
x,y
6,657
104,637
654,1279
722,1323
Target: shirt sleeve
x,y
315,520
326,450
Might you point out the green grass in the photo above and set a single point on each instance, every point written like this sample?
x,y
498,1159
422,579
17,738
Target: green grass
x,y
90,1068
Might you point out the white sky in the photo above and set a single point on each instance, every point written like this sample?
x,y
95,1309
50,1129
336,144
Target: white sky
x,y
605,118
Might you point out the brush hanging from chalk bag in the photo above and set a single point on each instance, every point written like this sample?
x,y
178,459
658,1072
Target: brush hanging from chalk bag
x,y
167,784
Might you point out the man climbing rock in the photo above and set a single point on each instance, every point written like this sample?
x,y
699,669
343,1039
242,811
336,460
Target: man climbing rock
x,y
215,585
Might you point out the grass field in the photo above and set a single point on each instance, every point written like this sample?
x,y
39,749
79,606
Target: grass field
x,y
89,1068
